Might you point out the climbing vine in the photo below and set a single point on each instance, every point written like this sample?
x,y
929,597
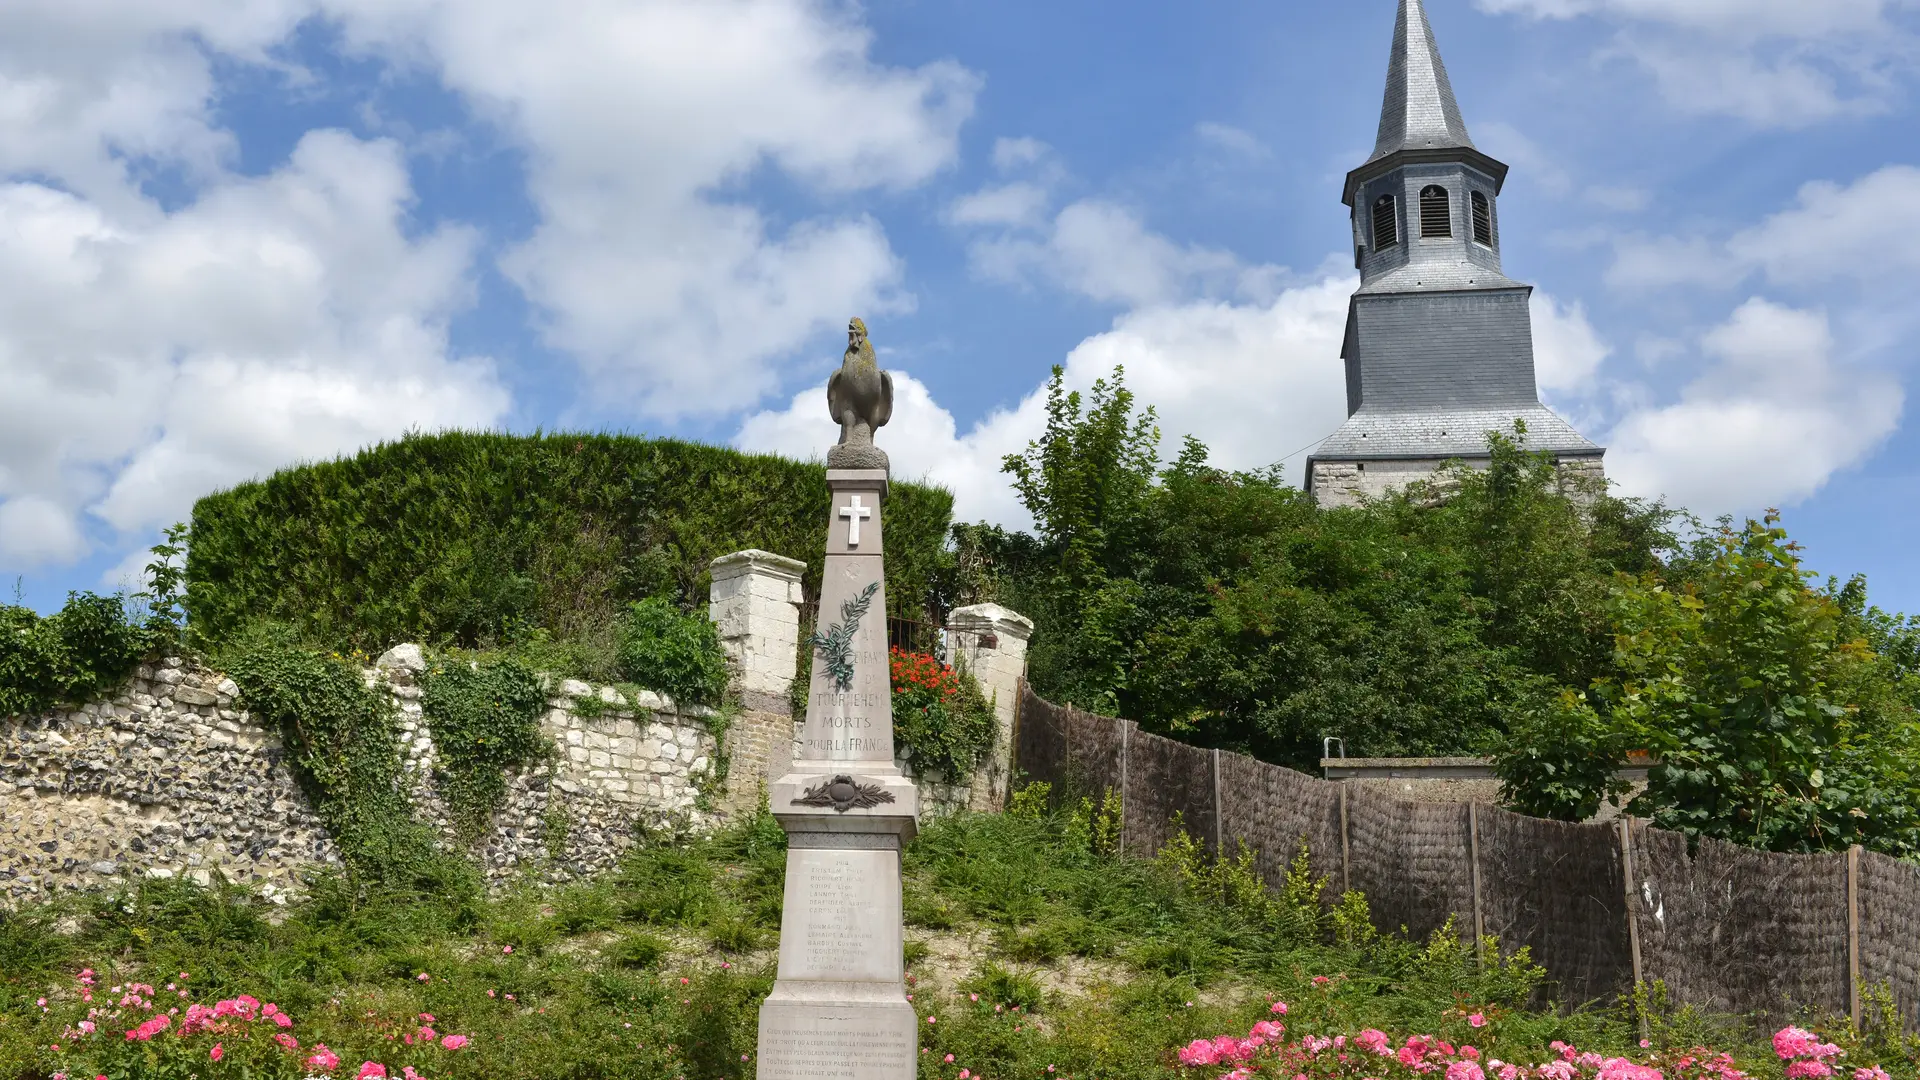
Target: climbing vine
x,y
485,719
343,739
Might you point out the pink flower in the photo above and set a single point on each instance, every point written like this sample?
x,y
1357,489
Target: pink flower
x,y
1477,1020
1373,1039
1809,1069
1279,1007
454,1042
324,1059
217,1052
423,977
964,1074
1198,1052
506,950
369,1070
286,1040
1622,1069
948,1059
1464,1070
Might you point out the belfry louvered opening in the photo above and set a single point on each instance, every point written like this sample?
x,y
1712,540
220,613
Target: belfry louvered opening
x,y
1436,213
1482,219
1386,223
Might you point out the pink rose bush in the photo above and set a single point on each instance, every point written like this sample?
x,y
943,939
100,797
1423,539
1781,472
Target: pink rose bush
x,y
136,1029
1371,1055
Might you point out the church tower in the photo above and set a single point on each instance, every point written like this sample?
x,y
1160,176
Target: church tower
x,y
1439,343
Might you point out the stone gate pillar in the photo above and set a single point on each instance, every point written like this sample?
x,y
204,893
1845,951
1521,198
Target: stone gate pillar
x,y
991,642
755,604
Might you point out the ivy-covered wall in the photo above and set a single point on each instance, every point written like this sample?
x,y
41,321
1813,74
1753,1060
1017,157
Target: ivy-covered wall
x,y
171,775
464,538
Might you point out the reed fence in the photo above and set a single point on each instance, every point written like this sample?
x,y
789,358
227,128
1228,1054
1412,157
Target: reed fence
x,y
1602,906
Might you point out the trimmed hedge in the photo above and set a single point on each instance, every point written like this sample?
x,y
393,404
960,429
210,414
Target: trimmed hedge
x,y
467,538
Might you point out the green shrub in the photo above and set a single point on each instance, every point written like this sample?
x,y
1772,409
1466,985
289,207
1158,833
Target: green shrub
x,y
70,657
470,538
485,719
674,653
998,986
939,716
637,951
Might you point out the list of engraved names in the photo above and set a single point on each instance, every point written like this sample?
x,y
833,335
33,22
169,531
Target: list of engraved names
x,y
836,1055
842,915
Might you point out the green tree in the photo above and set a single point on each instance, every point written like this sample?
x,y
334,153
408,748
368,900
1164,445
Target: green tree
x,y
1773,721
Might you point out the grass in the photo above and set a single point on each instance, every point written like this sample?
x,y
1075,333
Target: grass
x,y
1029,937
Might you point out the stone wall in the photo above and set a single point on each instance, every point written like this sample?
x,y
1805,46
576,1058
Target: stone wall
x,y
170,778
620,766
166,778
1349,483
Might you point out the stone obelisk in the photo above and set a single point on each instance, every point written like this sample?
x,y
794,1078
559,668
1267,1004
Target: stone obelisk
x,y
839,1008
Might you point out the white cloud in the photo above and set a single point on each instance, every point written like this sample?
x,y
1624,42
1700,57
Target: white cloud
x,y
34,530
1651,263
1766,424
1101,250
1731,18
1230,138
1258,383
1834,232
1567,351
146,359
1019,204
95,93
1019,153
1788,63
638,119
1859,231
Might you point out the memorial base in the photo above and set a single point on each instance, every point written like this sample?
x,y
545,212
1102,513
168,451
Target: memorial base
x,y
839,1008
823,1031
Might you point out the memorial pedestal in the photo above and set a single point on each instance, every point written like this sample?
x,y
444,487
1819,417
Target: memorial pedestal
x,y
839,1008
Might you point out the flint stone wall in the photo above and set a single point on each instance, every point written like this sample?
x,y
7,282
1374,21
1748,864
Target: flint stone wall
x,y
166,778
170,778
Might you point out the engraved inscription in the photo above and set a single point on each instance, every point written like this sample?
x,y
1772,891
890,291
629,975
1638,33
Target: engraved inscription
x,y
833,1055
829,699
843,916
829,747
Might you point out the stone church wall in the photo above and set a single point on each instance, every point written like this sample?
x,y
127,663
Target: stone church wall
x,y
1348,483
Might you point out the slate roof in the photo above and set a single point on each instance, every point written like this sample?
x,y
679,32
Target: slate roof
x,y
1435,275
1448,433
1419,111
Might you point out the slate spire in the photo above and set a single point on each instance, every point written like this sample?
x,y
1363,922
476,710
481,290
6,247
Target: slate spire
x,y
1418,112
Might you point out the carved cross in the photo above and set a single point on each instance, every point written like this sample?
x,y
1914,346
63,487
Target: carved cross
x,y
855,513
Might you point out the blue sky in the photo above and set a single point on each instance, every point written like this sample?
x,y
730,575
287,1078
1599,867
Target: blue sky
x,y
237,234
